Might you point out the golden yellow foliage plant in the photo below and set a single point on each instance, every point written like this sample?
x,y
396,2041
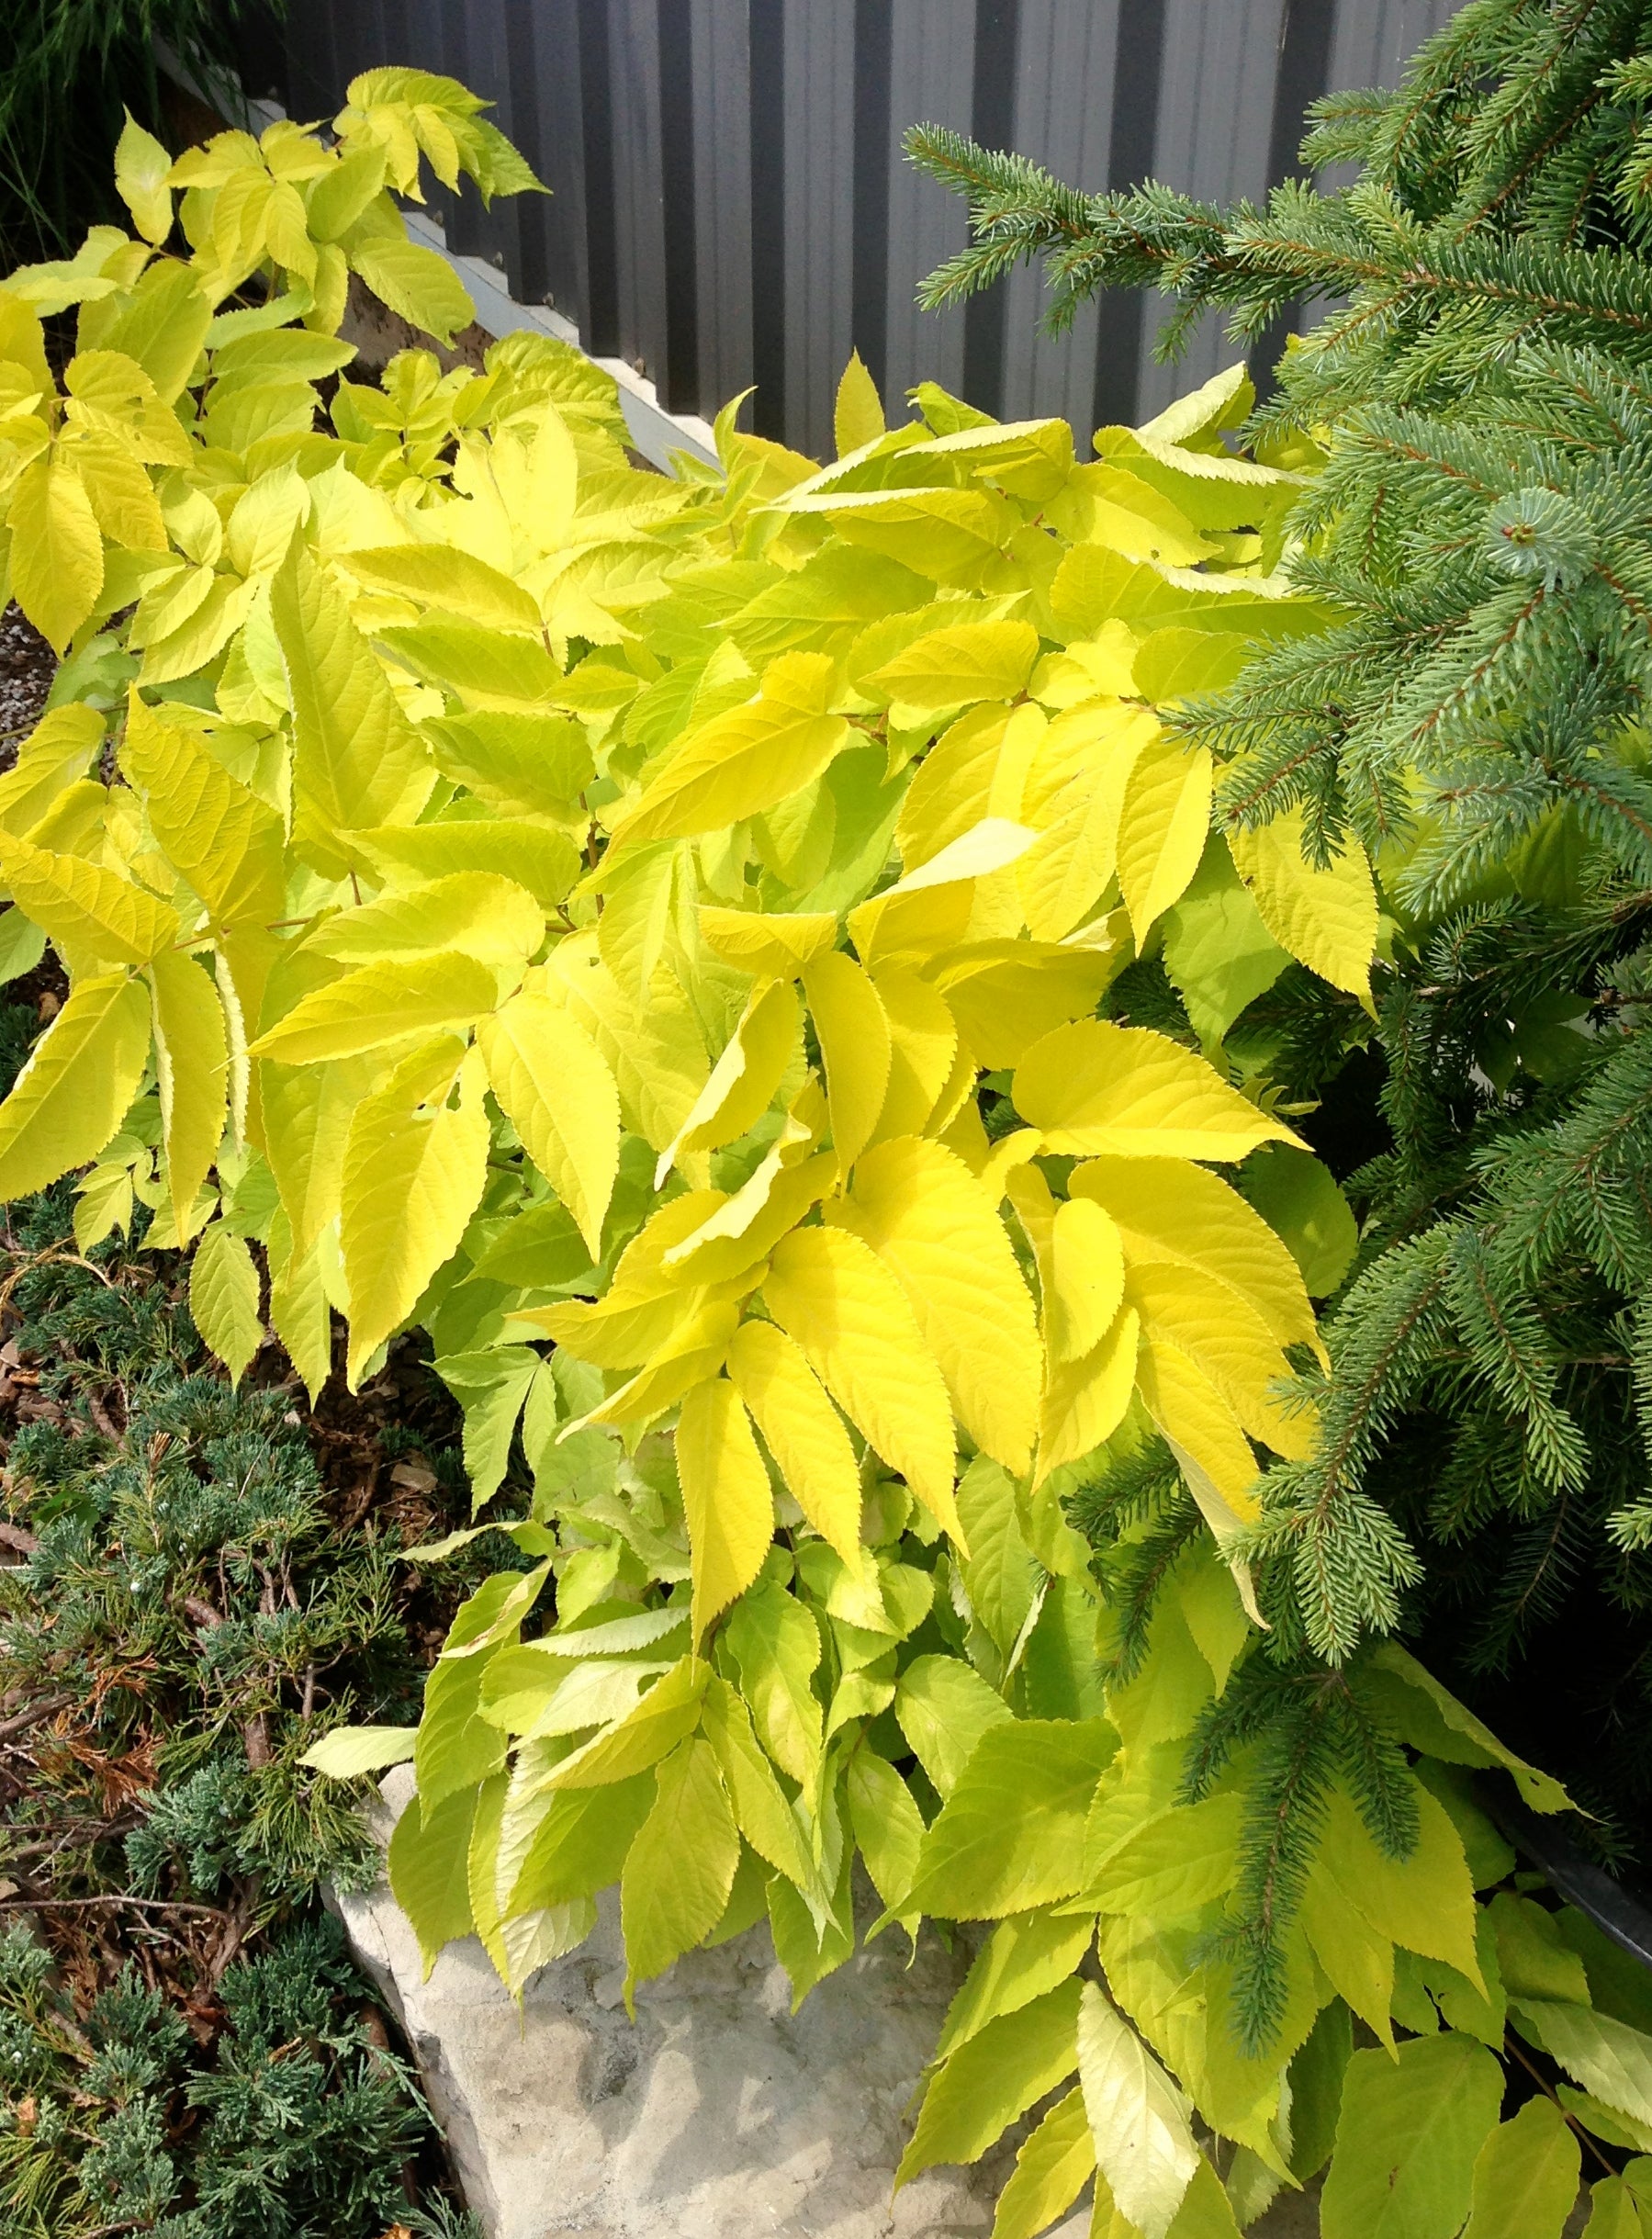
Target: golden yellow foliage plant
x,y
653,934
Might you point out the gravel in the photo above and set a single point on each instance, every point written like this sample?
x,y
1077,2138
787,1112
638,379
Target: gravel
x,y
27,668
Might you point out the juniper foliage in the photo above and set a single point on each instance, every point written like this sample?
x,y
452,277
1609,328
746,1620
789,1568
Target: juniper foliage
x,y
184,2046
1478,394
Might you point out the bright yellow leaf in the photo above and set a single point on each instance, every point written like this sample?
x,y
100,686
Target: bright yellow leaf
x,y
553,479
1085,1284
1202,1432
532,855
1073,797
1162,825
357,761
922,1041
975,769
52,757
1229,1342
487,916
694,1351
306,1111
224,841
742,762
653,1048
1191,1218
803,1432
443,576
120,493
726,1498
951,668
1084,1400
615,1332
853,1031
744,1079
770,946
929,1221
1005,995
831,1293
1096,1088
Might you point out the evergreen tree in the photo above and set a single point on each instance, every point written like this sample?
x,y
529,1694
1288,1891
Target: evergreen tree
x,y
1480,530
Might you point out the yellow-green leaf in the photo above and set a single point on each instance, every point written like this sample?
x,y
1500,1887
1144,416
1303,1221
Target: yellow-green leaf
x,y
858,415
669,1711
86,907
381,1004
357,761
1010,1836
680,1867
1408,2135
1526,2176
56,549
1425,1901
191,1071
1052,2168
414,1170
417,285
223,1297
1327,919
299,1314
992,2078
73,1092
557,1093
761,1808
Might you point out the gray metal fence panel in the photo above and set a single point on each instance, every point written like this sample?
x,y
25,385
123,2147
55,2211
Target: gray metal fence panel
x,y
729,204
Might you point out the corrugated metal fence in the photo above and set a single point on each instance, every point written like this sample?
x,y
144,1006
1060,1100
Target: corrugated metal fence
x,y
730,205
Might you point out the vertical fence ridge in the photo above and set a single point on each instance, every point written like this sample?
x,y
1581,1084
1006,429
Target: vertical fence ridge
x,y
767,32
